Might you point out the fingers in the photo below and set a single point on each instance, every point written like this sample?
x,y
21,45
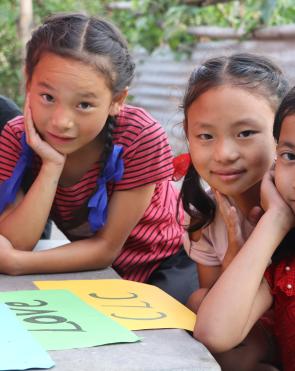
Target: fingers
x,y
269,193
224,204
222,201
29,124
232,221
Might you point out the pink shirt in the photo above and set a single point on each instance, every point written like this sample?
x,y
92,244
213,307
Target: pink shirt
x,y
212,246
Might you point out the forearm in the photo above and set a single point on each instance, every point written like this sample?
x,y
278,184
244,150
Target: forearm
x,y
228,258
223,317
24,224
207,276
89,254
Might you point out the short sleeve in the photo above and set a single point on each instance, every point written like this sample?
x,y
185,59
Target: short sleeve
x,y
10,147
203,252
146,152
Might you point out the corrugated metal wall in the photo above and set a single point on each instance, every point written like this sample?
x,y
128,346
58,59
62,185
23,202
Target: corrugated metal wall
x,y
160,79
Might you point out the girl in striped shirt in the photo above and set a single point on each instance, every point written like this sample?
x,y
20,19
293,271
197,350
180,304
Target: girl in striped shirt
x,y
99,168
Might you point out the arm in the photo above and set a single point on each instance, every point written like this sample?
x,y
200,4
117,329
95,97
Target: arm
x,y
30,212
207,276
125,210
241,296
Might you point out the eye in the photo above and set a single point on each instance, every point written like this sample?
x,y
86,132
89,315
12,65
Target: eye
x,y
246,133
47,98
205,136
288,156
85,106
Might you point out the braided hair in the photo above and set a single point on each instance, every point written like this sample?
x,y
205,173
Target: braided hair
x,y
92,40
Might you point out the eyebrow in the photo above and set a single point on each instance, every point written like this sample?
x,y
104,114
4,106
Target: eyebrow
x,y
86,95
246,121
45,85
286,144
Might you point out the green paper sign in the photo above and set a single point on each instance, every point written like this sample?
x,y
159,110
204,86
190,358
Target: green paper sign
x,y
60,320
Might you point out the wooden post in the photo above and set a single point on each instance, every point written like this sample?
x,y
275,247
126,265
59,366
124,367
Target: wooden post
x,y
25,28
25,23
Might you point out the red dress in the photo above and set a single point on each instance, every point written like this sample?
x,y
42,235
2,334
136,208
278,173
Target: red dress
x,y
281,278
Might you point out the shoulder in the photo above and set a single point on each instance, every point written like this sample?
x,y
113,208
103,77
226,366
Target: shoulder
x,y
213,243
146,152
16,126
134,122
13,130
136,116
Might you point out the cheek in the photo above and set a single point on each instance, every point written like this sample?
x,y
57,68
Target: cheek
x,y
199,158
199,153
264,155
38,116
91,129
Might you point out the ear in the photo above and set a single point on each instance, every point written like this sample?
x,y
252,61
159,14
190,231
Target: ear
x,y
118,102
27,87
27,81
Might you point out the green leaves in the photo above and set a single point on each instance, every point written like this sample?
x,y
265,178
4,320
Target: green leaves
x,y
147,23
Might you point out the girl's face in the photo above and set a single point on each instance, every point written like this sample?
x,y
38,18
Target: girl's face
x,y
285,164
70,102
230,138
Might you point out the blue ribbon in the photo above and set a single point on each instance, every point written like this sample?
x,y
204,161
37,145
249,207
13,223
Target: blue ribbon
x,y
10,187
113,170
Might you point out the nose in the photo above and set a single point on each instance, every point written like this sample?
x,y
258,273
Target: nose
x,y
226,151
61,119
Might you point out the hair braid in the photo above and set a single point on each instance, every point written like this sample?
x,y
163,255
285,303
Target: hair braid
x,y
108,140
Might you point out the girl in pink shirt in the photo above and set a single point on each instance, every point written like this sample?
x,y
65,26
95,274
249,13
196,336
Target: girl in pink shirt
x,y
229,108
244,292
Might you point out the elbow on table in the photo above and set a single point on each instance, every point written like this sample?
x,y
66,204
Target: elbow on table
x,y
102,258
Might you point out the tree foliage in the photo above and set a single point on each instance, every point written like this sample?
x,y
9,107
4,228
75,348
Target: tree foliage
x,y
147,23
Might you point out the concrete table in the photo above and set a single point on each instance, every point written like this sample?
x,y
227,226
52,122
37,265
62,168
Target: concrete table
x,y
167,349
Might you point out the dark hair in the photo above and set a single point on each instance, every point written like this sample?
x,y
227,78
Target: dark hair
x,y
286,108
91,40
8,110
254,73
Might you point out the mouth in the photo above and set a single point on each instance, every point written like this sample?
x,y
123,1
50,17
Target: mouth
x,y
59,138
228,175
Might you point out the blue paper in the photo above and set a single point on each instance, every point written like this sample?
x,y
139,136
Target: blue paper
x,y
19,350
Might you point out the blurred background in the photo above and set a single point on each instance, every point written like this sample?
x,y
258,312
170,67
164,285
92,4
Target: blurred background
x,y
168,39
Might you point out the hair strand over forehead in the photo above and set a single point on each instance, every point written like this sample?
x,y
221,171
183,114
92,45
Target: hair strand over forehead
x,y
286,108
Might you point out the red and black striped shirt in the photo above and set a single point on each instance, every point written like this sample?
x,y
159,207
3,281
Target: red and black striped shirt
x,y
147,159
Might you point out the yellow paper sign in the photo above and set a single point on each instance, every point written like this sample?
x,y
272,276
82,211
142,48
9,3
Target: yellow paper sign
x,y
134,305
